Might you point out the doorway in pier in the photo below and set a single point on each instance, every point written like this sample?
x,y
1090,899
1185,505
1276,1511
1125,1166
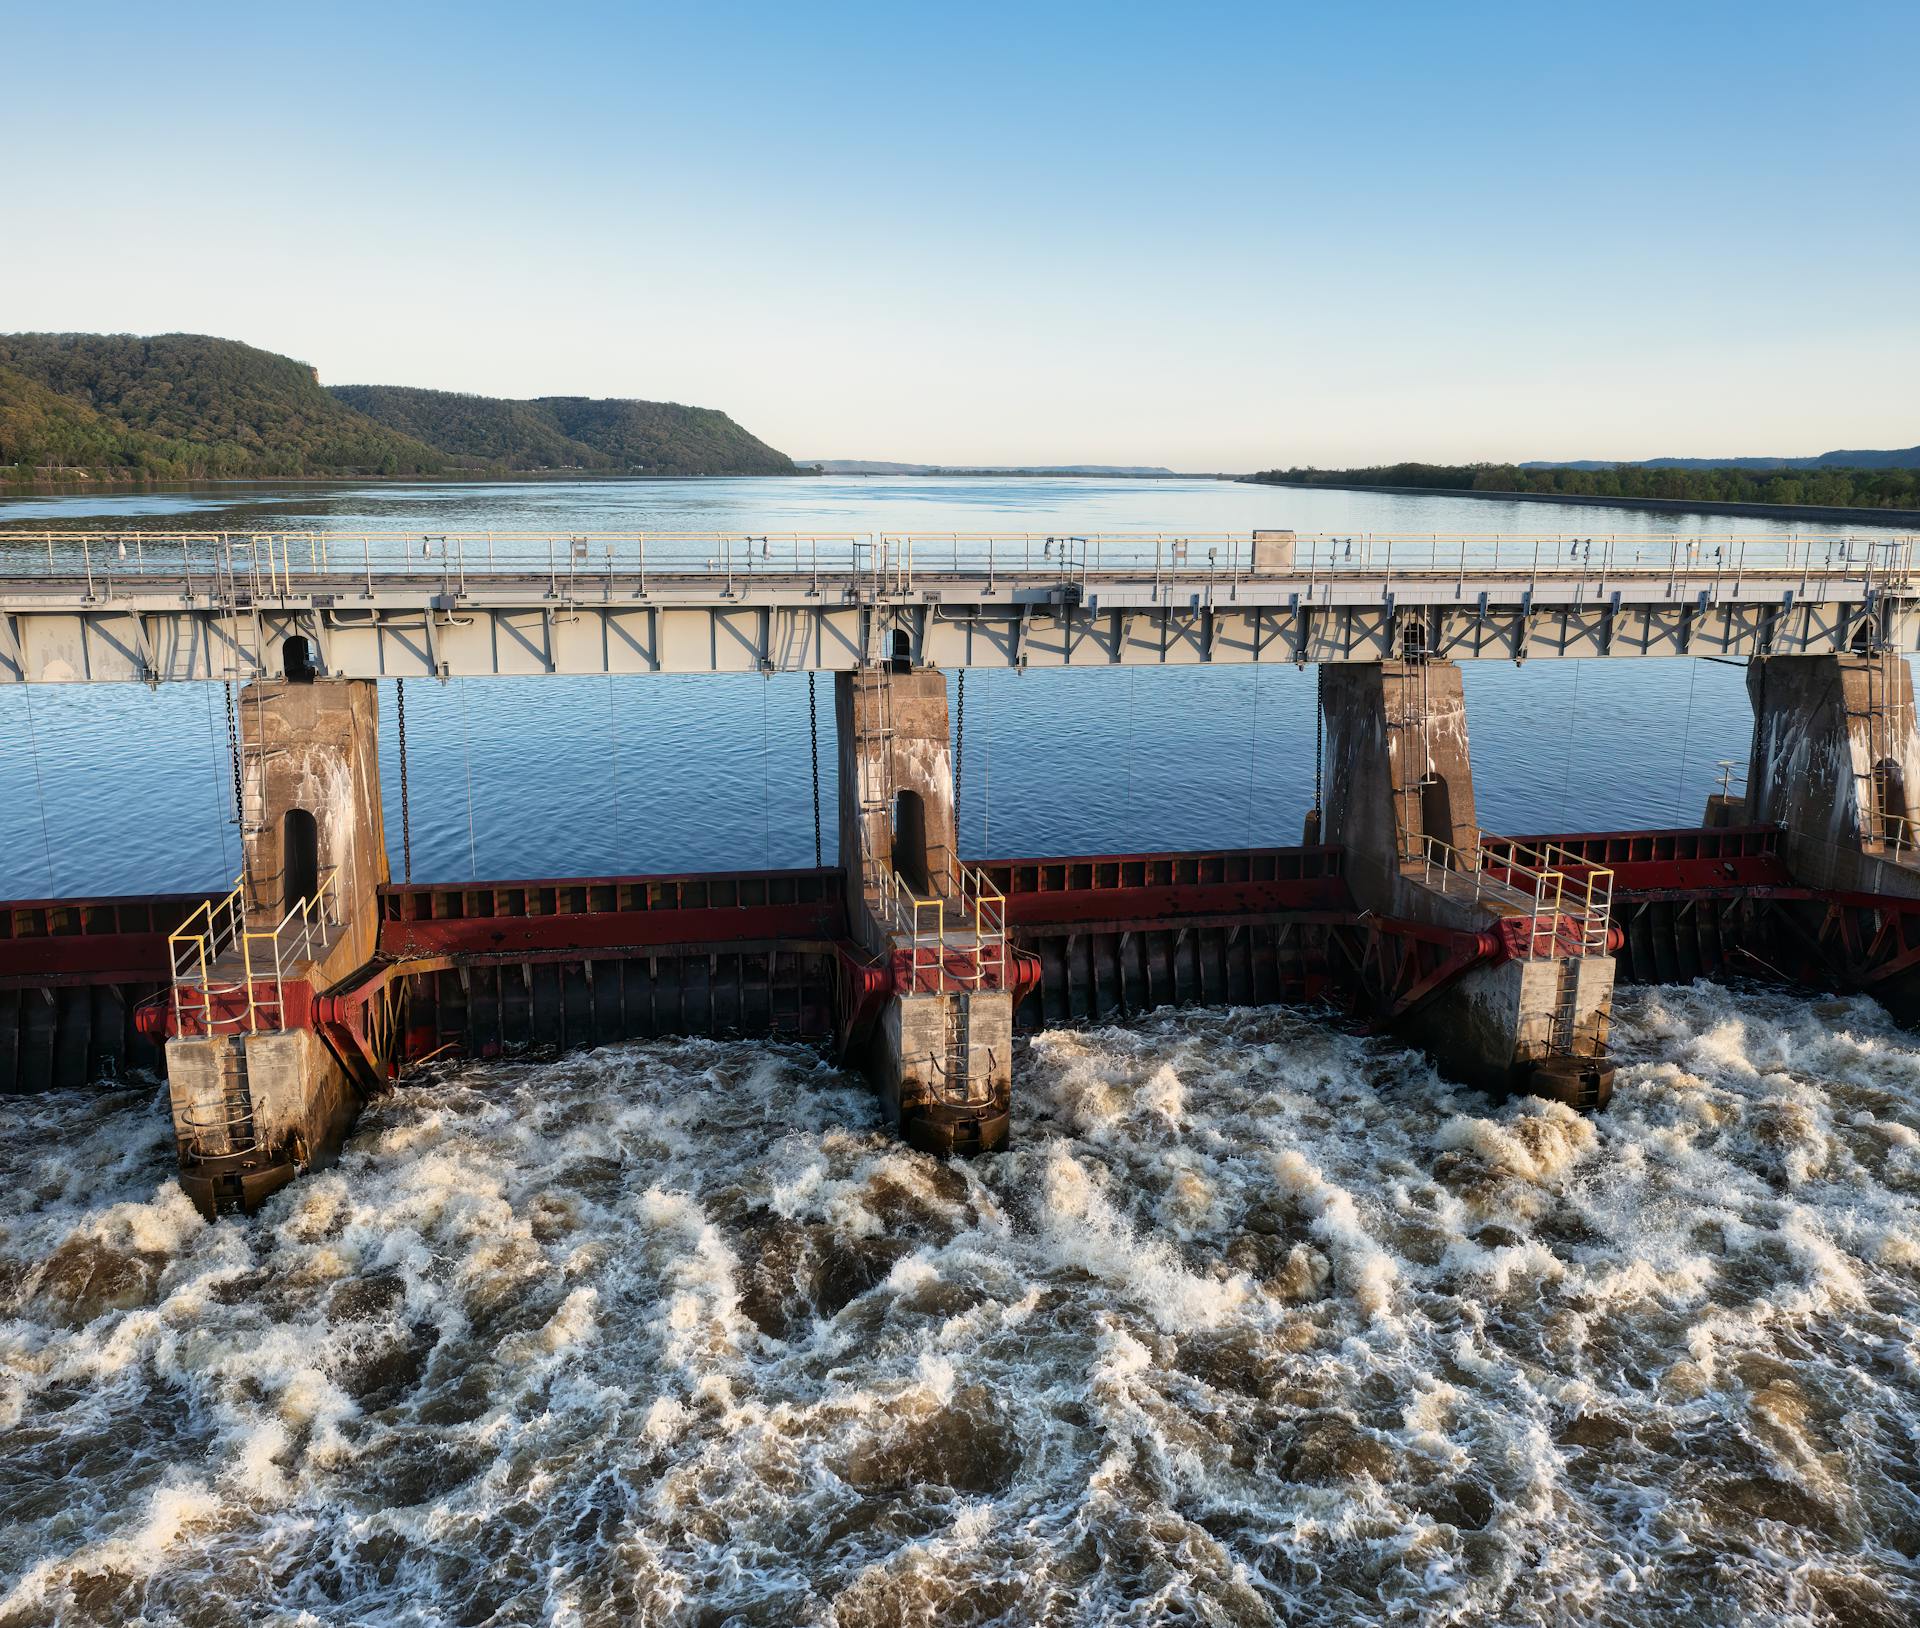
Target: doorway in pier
x,y
296,660
910,842
1436,809
299,858
1890,802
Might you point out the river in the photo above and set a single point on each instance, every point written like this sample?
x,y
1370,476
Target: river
x,y
1257,1321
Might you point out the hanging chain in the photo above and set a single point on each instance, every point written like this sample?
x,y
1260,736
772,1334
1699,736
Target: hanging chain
x,y
1319,724
406,810
813,733
1253,755
239,797
959,750
233,754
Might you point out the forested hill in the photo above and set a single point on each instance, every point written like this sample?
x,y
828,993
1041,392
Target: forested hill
x,y
613,436
182,407
1825,487
190,407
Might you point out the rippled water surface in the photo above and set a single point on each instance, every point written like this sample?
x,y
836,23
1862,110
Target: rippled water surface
x,y
1257,1323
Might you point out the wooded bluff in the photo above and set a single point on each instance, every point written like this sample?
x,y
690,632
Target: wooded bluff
x,y
191,407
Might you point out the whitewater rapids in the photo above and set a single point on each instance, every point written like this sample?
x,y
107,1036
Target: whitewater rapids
x,y
1257,1323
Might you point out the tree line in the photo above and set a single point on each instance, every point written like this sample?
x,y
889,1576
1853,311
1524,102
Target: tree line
x,y
1827,488
173,407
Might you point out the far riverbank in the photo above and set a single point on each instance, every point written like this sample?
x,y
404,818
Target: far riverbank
x,y
1788,512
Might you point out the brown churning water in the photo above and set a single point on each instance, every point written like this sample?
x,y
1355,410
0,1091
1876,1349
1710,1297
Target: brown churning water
x,y
1258,1323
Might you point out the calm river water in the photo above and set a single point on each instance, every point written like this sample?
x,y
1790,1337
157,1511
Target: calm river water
x,y
1257,1322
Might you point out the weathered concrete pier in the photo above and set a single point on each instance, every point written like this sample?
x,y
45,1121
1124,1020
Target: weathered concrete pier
x,y
279,1006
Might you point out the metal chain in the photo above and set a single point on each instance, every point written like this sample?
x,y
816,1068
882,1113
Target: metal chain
x,y
406,810
239,797
813,732
959,750
233,753
1319,724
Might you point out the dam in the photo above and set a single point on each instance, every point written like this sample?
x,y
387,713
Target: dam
x,y
278,1005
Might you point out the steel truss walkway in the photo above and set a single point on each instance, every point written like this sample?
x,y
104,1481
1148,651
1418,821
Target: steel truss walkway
x,y
162,606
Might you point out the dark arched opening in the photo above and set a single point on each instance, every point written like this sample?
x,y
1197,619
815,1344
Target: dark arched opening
x,y
296,660
1890,802
299,858
902,652
1436,809
910,841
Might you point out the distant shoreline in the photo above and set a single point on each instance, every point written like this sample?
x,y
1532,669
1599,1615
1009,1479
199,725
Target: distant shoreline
x,y
1030,474
107,484
1654,505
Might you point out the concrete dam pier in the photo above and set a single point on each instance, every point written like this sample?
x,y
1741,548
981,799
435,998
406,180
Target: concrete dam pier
x,y
279,1007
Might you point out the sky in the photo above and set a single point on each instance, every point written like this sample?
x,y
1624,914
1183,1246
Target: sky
x,y
1213,237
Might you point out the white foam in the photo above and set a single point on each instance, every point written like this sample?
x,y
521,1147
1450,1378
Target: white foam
x,y
1268,1315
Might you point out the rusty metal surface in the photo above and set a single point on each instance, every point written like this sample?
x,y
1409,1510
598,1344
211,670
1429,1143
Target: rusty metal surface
x,y
47,942
586,960
612,913
1687,859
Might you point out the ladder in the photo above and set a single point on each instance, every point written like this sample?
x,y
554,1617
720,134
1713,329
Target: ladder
x,y
1565,1007
873,769
1886,810
1413,720
957,1084
246,661
220,1140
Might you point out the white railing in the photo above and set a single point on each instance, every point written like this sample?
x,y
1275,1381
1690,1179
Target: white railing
x,y
569,566
1900,835
1550,884
956,941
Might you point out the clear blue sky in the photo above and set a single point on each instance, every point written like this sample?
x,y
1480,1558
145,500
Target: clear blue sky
x,y
1205,236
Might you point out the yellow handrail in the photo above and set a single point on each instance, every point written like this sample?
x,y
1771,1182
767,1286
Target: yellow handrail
x,y
924,922
218,927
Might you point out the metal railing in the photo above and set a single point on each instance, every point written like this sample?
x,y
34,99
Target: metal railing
x,y
204,942
956,941
1897,833
1550,884
229,978
217,1128
974,1086
569,566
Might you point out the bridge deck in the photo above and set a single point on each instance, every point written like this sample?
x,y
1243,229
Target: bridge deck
x,y
152,608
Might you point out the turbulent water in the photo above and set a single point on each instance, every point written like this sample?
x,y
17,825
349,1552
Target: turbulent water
x,y
1259,1322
